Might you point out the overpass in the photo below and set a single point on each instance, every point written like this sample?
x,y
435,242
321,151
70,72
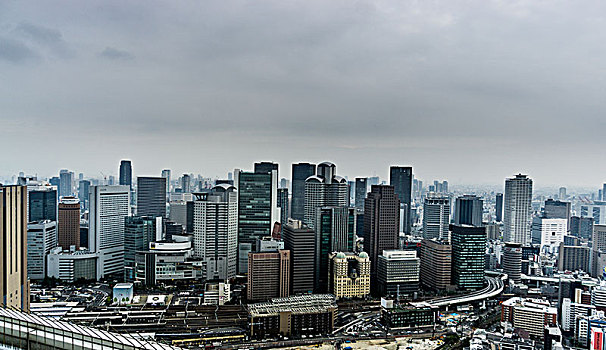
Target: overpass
x,y
494,287
28,331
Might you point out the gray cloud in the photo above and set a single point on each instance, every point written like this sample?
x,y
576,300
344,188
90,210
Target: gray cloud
x,y
115,54
14,51
46,38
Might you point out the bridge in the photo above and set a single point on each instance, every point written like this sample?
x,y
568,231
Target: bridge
x,y
494,287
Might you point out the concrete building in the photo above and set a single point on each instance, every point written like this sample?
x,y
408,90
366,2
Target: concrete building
x,y
436,217
293,316
72,266
512,261
217,293
381,222
68,225
436,264
151,196
572,311
407,316
468,210
300,241
573,258
268,275
216,231
531,315
325,189
468,256
517,209
14,284
599,237
349,275
398,273
400,177
109,206
168,262
581,227
597,211
549,232
257,210
41,239
300,173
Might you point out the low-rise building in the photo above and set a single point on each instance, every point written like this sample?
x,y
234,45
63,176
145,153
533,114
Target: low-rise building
x,y
530,315
407,316
217,293
349,275
168,262
123,293
72,266
311,314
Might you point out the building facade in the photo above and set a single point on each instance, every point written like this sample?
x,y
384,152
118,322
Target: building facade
x,y
68,225
325,189
436,264
349,275
381,222
300,241
436,217
268,275
468,256
517,209
468,210
398,273
300,173
41,239
400,177
151,196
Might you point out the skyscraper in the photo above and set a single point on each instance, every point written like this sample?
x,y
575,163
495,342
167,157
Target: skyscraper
x,y
381,222
300,173
109,206
166,175
468,256
436,264
68,225
257,210
83,189
268,275
14,285
138,232
562,193
436,217
300,240
283,205
325,189
499,207
186,183
468,210
517,209
557,210
126,174
151,196
41,239
216,231
42,203
66,183
401,180
266,168
335,232
360,192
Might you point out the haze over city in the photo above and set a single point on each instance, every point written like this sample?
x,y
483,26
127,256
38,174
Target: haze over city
x,y
472,92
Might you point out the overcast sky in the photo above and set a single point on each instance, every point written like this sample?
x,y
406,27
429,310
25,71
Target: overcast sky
x,y
469,91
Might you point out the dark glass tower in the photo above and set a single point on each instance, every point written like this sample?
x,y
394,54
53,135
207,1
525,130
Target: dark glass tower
x,y
126,174
266,167
300,240
43,205
381,222
151,196
361,187
468,256
401,180
283,204
499,207
468,210
138,232
300,172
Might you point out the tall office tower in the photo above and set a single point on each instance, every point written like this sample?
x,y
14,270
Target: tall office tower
x,y
265,167
325,189
361,187
14,285
381,222
166,175
517,209
573,258
436,264
83,189
126,174
186,183
216,231
398,273
41,239
468,210
512,261
257,210
268,275
55,181
335,232
138,232
401,180
557,210
603,192
42,203
300,240
373,181
68,224
178,212
151,196
349,275
109,205
66,183
499,207
283,204
300,173
581,226
445,186
599,237
562,194
468,256
436,217
548,232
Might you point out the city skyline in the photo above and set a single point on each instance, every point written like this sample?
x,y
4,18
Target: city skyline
x,y
459,91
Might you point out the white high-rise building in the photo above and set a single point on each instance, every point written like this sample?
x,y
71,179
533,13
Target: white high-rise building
x,y
436,216
517,209
549,232
216,231
326,189
41,239
109,205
